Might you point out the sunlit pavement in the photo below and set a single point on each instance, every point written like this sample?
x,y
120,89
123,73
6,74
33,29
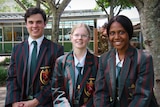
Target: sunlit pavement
x,y
2,96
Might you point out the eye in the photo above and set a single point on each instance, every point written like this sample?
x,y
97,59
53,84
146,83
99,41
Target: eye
x,y
39,22
122,32
112,33
76,35
30,22
84,36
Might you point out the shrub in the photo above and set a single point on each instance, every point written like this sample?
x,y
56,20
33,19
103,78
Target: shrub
x,y
5,62
3,76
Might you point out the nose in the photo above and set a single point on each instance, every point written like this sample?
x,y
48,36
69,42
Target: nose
x,y
80,36
34,24
116,35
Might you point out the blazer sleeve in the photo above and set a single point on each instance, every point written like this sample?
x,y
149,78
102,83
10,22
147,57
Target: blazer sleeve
x,y
13,93
144,83
58,86
101,96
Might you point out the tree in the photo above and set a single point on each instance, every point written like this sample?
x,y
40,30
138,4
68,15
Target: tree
x,y
57,8
114,6
52,7
149,11
9,6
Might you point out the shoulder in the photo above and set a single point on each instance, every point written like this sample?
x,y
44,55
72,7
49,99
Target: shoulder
x,y
91,57
52,43
144,53
20,45
64,57
108,54
144,57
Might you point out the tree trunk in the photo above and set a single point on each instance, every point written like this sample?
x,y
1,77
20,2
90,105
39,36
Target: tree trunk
x,y
55,27
150,27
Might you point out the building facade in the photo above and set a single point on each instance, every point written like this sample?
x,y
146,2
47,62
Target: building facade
x,y
13,30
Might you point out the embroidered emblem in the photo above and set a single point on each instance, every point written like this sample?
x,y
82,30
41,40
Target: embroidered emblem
x,y
44,75
88,90
132,86
131,91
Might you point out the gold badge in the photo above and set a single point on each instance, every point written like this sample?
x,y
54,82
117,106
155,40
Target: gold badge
x,y
89,87
44,75
131,91
132,86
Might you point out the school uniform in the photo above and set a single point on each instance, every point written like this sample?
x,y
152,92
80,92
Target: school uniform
x,y
63,81
136,80
17,89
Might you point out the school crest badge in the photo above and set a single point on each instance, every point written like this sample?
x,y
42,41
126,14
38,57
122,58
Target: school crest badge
x,y
89,87
44,75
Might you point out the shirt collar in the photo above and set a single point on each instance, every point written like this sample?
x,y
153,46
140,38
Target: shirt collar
x,y
81,62
39,40
118,61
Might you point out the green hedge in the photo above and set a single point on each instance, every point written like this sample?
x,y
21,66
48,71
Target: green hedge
x,y
3,75
67,47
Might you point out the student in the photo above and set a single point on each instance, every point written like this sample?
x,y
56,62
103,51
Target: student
x,y
125,77
28,82
72,87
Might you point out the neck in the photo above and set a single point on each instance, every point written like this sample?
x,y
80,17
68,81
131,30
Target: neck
x,y
79,53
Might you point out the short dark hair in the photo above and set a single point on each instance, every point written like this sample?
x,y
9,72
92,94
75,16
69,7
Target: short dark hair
x,y
35,10
124,21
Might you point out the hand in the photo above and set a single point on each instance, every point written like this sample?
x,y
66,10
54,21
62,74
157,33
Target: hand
x,y
17,104
29,103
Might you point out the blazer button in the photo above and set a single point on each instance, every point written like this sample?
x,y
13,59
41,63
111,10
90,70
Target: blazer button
x,y
110,99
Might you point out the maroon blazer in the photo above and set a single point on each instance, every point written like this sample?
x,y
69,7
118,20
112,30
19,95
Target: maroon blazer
x,y
17,73
136,80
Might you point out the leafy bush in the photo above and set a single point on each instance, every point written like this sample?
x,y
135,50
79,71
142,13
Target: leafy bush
x,y
5,62
3,76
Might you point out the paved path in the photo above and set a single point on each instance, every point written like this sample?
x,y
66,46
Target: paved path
x,y
2,96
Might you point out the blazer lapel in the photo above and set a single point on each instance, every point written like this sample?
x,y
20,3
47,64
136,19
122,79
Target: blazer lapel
x,y
87,70
71,74
112,75
125,69
25,52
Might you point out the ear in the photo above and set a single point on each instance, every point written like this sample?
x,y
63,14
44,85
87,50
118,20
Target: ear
x,y
45,23
70,36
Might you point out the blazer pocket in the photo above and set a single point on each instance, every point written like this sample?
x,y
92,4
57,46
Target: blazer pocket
x,y
130,85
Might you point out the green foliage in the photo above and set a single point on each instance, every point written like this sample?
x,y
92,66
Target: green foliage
x,y
114,6
3,75
107,3
9,6
3,71
28,3
5,62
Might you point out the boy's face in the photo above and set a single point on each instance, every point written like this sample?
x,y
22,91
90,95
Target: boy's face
x,y
35,26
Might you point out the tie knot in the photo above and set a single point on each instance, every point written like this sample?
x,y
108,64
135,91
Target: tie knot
x,y
118,68
34,43
79,69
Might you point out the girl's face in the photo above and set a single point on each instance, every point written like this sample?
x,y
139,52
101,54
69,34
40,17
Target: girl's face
x,y
118,37
80,38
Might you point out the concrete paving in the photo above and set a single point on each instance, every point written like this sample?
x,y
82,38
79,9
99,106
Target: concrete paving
x,y
2,96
